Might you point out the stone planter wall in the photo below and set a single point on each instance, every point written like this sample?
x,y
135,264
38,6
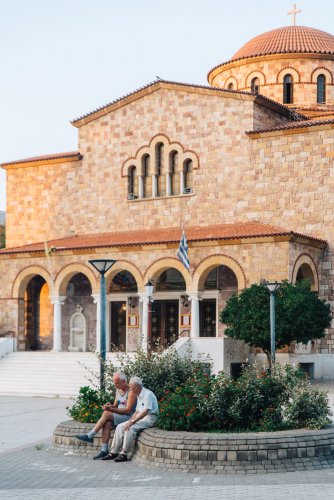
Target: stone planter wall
x,y
213,452
64,440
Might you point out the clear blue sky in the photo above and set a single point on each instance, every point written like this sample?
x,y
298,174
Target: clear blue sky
x,y
62,58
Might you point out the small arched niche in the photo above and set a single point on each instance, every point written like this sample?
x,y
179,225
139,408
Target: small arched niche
x,y
78,331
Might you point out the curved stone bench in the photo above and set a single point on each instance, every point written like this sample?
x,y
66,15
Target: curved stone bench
x,y
215,452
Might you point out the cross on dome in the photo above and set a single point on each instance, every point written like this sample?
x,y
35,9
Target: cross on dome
x,y
293,13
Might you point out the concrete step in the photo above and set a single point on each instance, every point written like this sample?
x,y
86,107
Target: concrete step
x,y
47,373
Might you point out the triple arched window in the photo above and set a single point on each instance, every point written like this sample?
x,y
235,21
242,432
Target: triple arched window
x,y
162,171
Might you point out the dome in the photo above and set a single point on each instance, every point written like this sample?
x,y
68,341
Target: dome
x,y
290,39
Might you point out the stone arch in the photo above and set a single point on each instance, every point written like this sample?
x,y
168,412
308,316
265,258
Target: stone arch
x,y
229,80
66,273
25,275
305,262
124,265
161,265
288,71
322,71
209,263
255,74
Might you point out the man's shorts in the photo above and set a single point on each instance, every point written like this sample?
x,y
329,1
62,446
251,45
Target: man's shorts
x,y
119,419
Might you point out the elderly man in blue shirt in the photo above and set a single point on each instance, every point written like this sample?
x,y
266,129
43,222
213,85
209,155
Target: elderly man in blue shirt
x,y
146,414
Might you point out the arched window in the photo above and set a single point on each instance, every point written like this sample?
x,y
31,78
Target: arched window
x,y
255,85
174,178
230,86
145,166
159,167
188,176
287,89
321,89
132,183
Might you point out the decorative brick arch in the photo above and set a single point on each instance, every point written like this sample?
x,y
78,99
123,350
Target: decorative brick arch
x,y
231,79
25,275
306,260
322,71
288,70
124,265
66,273
206,265
255,74
149,149
161,265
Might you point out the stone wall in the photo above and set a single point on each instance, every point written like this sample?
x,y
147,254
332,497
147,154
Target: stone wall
x,y
213,453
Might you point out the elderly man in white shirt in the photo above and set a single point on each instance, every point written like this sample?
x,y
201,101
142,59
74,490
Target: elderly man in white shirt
x,y
146,414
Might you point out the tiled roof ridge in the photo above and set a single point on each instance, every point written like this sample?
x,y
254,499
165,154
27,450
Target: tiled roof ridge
x,y
299,124
181,84
307,35
53,156
244,230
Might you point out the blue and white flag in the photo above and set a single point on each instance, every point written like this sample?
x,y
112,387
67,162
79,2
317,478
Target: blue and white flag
x,y
183,251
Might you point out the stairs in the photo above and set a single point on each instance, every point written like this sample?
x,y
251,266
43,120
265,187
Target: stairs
x,y
46,374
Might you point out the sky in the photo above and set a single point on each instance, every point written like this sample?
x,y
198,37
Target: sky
x,y
62,58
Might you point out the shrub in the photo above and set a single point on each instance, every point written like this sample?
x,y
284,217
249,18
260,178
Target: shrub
x,y
308,407
87,406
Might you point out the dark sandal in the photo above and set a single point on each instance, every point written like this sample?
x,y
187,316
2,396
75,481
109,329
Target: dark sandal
x,y
121,458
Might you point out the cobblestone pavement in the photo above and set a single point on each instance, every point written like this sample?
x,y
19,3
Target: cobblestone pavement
x,y
36,473
31,471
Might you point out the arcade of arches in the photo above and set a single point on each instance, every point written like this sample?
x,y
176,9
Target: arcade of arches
x,y
71,322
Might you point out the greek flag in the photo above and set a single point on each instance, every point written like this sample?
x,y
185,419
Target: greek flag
x,y
183,251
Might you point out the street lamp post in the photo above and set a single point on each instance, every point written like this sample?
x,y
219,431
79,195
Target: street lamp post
x,y
102,266
272,287
149,293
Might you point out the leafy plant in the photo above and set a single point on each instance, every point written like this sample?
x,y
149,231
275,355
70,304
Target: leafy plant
x,y
88,405
300,315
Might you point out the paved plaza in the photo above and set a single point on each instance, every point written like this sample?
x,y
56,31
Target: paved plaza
x,y
28,470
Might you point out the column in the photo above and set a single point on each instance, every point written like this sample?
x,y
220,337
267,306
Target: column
x,y
141,186
96,298
144,322
168,184
181,182
154,186
57,303
194,331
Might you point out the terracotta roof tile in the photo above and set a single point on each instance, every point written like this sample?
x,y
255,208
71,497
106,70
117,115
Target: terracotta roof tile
x,y
55,156
286,40
293,125
260,97
162,236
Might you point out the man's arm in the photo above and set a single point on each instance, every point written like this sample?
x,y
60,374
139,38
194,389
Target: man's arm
x,y
130,403
110,406
135,418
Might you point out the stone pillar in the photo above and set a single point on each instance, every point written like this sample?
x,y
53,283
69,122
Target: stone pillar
x,y
154,185
141,186
144,322
57,303
168,184
181,182
194,331
96,298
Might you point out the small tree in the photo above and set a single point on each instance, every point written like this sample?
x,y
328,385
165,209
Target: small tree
x,y
300,315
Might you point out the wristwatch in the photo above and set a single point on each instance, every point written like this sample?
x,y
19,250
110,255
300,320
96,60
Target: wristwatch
x,y
132,421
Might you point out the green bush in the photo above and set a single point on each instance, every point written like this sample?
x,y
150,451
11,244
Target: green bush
x,y
88,405
160,372
254,402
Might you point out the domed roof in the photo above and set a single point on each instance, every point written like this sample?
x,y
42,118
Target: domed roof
x,y
290,39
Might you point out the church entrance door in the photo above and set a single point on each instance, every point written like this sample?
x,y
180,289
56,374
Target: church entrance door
x,y
207,317
165,322
118,325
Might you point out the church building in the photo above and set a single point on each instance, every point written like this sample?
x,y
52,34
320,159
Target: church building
x,y
244,164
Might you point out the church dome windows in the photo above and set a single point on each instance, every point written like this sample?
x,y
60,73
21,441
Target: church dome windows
x,y
255,86
321,89
230,86
288,89
161,169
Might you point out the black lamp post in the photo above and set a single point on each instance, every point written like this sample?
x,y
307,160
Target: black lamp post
x,y
149,293
272,287
102,266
